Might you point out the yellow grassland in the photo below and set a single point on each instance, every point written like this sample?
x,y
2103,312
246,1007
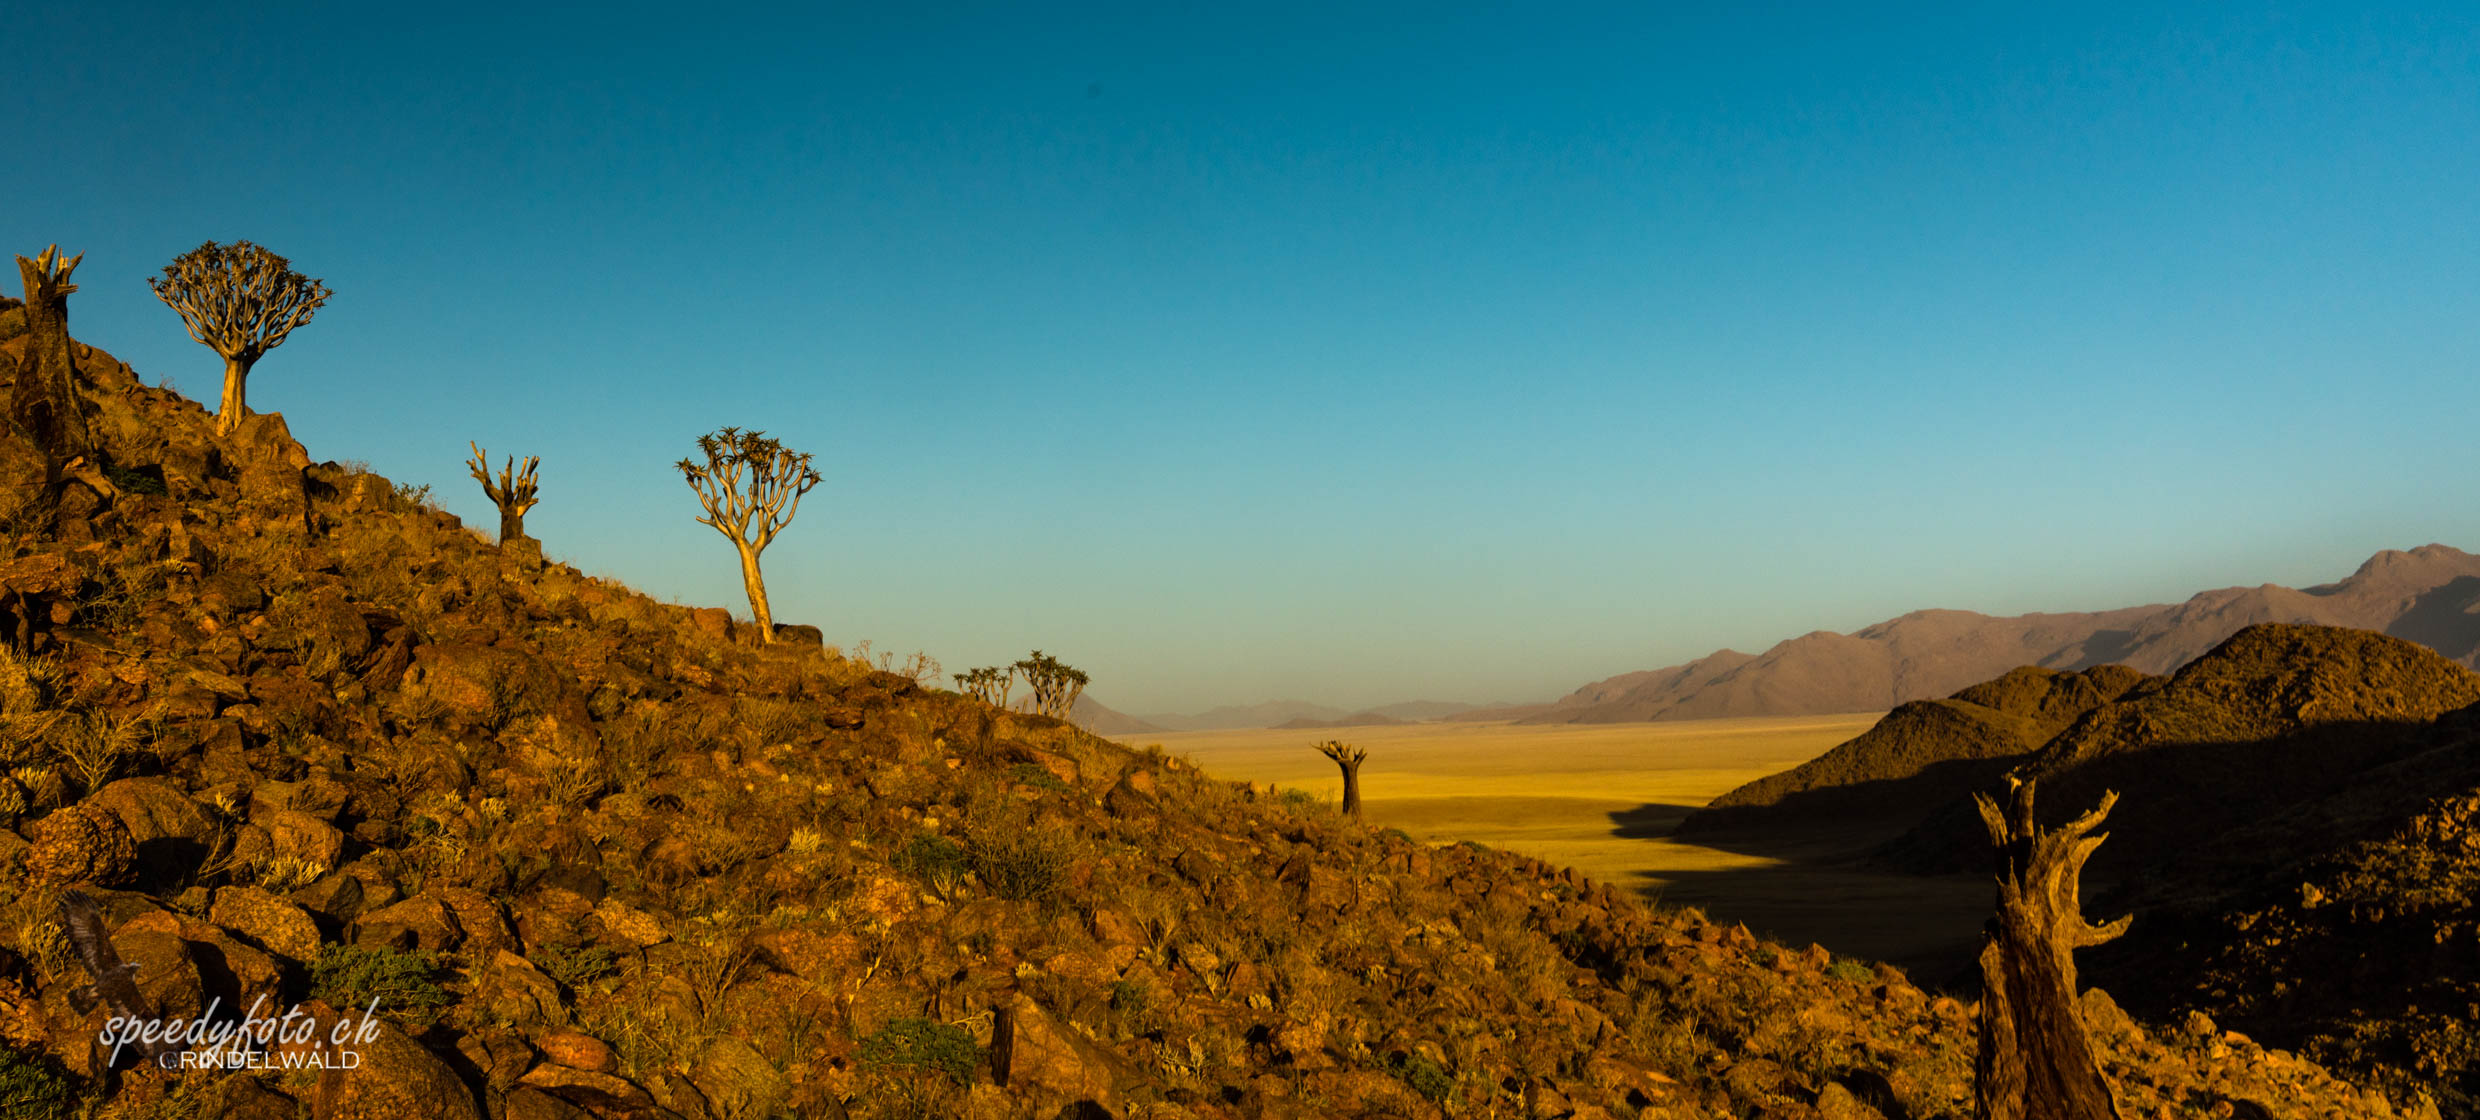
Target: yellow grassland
x,y
1601,798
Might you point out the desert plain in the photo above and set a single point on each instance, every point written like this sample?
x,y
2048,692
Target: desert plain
x,y
1604,798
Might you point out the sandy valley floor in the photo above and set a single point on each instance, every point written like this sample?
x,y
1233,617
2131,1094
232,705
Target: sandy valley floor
x,y
1602,798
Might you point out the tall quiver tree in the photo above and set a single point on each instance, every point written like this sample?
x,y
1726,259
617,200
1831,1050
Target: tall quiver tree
x,y
45,405
1055,684
1348,758
513,493
751,486
2035,1060
240,301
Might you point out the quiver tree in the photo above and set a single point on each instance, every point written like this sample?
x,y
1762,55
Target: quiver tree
x,y
240,301
513,493
751,486
989,684
1348,758
45,407
2035,1061
1055,684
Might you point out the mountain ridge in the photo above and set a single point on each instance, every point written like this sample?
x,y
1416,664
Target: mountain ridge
x,y
2429,595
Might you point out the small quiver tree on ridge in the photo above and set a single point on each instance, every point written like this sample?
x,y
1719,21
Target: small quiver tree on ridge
x,y
240,301
989,684
1348,758
513,493
1055,684
751,486
2036,1062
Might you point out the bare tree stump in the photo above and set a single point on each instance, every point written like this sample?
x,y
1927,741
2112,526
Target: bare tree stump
x,y
2035,1061
45,407
513,493
1348,758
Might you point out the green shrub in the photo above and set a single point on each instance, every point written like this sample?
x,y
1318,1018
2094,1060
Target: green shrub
x,y
1425,1077
136,480
1026,773
1020,865
1852,971
922,1044
576,966
32,1087
12,323
405,984
935,860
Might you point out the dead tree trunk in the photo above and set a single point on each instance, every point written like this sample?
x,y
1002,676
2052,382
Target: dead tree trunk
x,y
2035,1061
1348,758
45,406
513,493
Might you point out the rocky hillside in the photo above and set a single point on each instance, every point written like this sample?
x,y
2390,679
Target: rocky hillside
x,y
301,736
2295,833
1927,752
2271,722
2429,595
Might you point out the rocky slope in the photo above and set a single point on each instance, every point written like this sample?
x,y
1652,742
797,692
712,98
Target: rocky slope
x,y
303,737
2295,833
1924,753
2429,595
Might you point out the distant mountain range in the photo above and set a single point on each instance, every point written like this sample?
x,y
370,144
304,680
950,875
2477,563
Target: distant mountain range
x,y
2429,595
1095,716
1302,713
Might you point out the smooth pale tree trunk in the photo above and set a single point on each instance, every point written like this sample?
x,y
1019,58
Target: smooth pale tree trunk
x,y
236,381
757,593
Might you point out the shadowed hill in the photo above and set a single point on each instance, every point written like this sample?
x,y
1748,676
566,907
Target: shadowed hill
x,y
2277,717
1093,716
2298,823
2429,595
1927,752
303,737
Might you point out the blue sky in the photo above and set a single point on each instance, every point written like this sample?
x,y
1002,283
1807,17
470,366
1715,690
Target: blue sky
x,y
1354,355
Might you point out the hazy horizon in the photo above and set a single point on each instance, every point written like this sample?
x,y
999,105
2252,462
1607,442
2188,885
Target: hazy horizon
x,y
1358,356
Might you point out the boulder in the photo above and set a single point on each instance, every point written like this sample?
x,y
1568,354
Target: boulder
x,y
526,1102
269,464
280,926
626,925
167,827
600,1093
1033,1053
493,685
84,843
578,1051
297,834
320,797
331,630
396,1079
737,1080
422,922
337,896
713,622
511,989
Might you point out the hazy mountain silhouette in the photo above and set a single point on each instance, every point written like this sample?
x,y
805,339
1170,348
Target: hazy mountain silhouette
x,y
1093,716
1285,713
1356,719
2429,595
